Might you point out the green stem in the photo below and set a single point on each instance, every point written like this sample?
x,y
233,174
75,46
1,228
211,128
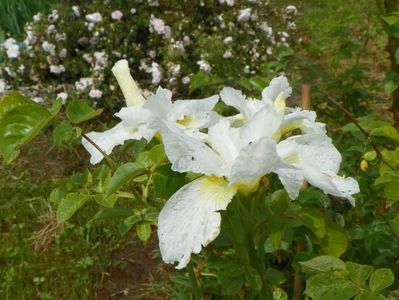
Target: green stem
x,y
107,157
194,284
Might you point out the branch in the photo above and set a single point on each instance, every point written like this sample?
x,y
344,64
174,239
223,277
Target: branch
x,y
365,133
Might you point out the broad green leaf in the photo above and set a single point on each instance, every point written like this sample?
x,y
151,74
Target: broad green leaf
x,y
390,86
19,126
323,263
397,55
143,231
122,175
13,100
394,223
388,132
166,182
253,277
157,155
335,242
314,219
367,295
79,111
55,108
331,286
359,273
106,201
381,279
391,19
69,205
259,83
233,269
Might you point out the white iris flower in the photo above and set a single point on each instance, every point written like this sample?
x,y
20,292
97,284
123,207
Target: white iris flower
x,y
143,118
230,161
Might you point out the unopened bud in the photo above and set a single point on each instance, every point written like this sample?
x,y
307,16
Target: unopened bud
x,y
370,155
364,165
129,87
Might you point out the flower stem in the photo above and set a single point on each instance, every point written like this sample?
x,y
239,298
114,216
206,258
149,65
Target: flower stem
x,y
194,284
106,156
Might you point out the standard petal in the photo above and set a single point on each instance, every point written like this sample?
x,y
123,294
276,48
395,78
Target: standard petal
x,y
108,140
188,154
236,99
303,120
159,103
254,161
190,219
276,86
265,122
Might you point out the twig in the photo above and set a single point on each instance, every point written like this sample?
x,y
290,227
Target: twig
x,y
107,157
365,133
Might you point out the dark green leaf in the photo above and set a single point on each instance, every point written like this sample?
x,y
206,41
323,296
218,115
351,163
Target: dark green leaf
x,y
359,273
79,111
106,201
253,277
323,263
69,205
314,219
122,175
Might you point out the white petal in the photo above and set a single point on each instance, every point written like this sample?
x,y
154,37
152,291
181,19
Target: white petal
x,y
224,140
304,120
190,219
107,140
134,116
276,86
195,113
254,161
292,180
188,154
236,99
160,103
127,84
332,184
265,122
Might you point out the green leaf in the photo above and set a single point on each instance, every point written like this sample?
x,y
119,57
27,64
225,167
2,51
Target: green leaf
x,y
143,231
391,19
386,131
367,295
259,83
122,175
335,242
19,126
13,100
202,80
323,263
381,279
394,223
79,111
62,133
359,273
166,182
233,269
314,219
157,155
390,86
106,201
128,222
69,205
55,108
331,286
253,277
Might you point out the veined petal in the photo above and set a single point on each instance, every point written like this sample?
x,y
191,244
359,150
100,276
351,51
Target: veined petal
x,y
332,184
225,140
129,88
190,219
255,160
292,180
159,103
265,122
236,99
276,86
188,154
108,139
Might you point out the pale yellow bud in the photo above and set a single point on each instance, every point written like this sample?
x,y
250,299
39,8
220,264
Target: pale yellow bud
x,y
364,165
129,87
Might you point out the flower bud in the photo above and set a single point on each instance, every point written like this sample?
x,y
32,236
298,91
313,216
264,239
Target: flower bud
x,y
129,87
370,155
364,165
